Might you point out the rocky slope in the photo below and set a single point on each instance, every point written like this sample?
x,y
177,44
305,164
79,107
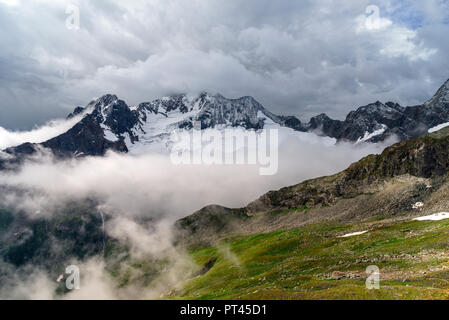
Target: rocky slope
x,y
424,157
390,183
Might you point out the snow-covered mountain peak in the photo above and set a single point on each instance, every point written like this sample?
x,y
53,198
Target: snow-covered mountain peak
x,y
150,124
376,109
207,109
103,103
165,105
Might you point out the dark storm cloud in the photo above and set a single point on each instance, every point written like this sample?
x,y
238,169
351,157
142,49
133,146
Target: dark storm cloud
x,y
296,57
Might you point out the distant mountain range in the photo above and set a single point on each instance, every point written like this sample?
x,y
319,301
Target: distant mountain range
x,y
108,123
377,121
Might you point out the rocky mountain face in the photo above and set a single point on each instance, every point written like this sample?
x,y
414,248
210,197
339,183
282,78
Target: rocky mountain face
x,y
88,136
108,123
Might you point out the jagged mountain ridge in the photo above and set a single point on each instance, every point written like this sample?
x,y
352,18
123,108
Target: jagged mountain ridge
x,y
108,123
377,121
425,157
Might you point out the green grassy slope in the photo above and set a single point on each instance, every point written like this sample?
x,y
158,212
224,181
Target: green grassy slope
x,y
313,262
290,245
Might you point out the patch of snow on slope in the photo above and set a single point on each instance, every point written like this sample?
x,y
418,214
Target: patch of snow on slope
x,y
439,127
353,234
373,134
434,217
268,120
154,134
417,205
108,134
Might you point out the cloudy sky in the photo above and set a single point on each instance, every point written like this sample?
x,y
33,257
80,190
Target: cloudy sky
x,y
295,57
